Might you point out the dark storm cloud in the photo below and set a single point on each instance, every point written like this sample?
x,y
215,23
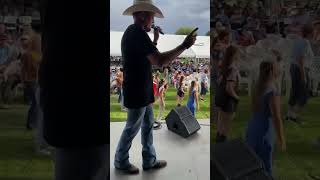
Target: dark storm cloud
x,y
178,13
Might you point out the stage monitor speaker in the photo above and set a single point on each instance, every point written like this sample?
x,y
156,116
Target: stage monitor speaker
x,y
256,175
181,121
234,160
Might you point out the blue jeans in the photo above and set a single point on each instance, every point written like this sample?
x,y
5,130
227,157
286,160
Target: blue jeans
x,y
120,94
40,141
137,118
30,94
299,90
121,100
192,109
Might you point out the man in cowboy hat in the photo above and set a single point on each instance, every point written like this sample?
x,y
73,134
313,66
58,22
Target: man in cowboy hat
x,y
139,53
73,96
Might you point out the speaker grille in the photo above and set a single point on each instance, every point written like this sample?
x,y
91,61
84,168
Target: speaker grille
x,y
234,159
183,112
257,175
188,119
191,123
181,121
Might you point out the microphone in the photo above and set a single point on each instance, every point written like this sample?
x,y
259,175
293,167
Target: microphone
x,y
157,28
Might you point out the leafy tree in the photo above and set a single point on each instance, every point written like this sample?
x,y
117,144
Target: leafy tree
x,y
184,31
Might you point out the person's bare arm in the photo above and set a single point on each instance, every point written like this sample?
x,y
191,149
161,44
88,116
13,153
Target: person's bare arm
x,y
161,59
197,100
277,121
230,89
183,87
161,97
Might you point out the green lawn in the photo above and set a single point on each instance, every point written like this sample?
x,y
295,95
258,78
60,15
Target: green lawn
x,y
117,115
18,160
301,159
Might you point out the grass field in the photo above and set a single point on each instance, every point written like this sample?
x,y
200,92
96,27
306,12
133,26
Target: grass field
x,y
116,114
19,161
301,159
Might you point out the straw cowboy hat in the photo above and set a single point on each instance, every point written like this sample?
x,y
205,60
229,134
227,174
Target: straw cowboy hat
x,y
143,5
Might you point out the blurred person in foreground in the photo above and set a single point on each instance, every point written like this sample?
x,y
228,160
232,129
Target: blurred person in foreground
x,y
74,93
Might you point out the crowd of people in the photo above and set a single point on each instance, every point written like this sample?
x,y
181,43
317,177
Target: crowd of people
x,y
20,59
188,78
195,85
235,28
19,8
248,24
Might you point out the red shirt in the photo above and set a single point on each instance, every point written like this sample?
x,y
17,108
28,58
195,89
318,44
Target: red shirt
x,y
155,89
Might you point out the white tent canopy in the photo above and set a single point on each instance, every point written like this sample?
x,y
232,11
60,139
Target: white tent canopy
x,y
201,49
115,43
169,42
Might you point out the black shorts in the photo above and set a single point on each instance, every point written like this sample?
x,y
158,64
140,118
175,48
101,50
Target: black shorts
x,y
224,101
299,90
203,89
180,93
229,105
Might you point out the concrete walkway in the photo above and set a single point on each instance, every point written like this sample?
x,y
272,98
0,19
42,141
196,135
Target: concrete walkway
x,y
188,159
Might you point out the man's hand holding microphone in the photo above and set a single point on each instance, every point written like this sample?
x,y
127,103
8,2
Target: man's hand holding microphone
x,y
156,31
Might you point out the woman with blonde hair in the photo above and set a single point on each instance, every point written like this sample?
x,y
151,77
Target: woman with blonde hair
x,y
193,101
266,116
162,88
30,60
35,40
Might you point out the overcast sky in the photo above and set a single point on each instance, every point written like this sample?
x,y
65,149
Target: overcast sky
x,y
177,13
